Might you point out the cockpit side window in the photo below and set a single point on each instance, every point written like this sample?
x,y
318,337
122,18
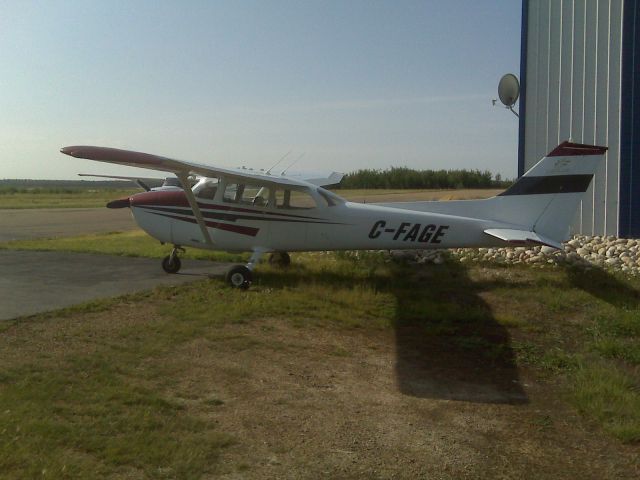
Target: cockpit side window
x,y
206,189
233,192
247,194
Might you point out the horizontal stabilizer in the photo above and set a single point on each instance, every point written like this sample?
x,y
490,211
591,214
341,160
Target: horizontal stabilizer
x,y
521,237
322,180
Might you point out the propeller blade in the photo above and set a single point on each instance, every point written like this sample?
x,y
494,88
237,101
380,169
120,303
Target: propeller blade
x,y
120,203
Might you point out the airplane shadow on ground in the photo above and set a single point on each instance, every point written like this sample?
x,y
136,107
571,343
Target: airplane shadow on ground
x,y
448,343
605,286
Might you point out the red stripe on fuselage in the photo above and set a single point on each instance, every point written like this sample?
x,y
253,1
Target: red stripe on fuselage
x,y
252,232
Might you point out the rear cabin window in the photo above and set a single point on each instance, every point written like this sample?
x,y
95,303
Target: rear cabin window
x,y
294,199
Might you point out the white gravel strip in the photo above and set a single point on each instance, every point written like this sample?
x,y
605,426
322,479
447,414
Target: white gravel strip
x,y
612,253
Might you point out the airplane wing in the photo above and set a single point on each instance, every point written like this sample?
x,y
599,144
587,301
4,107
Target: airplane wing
x,y
120,177
141,182
180,167
144,182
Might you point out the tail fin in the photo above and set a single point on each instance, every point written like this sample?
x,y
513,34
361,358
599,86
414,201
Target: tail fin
x,y
545,199
540,206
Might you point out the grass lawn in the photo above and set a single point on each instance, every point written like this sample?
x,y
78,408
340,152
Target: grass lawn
x,y
344,365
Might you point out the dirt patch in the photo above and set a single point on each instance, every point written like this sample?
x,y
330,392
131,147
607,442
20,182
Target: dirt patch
x,y
310,412
325,401
315,402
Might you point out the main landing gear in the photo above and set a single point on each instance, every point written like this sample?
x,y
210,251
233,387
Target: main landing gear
x,y
238,276
279,259
171,263
241,276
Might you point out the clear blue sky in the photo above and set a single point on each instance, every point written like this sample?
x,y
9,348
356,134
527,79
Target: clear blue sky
x,y
350,83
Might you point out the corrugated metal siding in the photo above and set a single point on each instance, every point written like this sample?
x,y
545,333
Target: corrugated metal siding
x,y
613,140
573,74
630,123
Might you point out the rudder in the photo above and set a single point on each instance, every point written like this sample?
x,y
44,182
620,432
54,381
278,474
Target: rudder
x,y
546,198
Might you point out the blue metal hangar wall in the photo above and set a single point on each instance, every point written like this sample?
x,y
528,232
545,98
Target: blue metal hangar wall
x,y
580,80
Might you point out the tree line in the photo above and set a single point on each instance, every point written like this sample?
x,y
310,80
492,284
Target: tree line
x,y
403,177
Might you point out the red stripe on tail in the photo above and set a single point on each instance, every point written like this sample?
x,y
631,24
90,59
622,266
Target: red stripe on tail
x,y
568,149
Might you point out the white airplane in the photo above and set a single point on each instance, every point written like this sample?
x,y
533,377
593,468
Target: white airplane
x,y
246,210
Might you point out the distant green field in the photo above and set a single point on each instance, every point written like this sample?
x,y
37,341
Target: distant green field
x,y
60,197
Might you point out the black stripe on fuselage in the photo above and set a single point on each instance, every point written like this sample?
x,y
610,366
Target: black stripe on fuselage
x,y
549,184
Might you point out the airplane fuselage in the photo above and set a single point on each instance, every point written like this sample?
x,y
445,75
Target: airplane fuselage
x,y
168,217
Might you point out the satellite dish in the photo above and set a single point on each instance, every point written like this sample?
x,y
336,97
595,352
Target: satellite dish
x,y
509,90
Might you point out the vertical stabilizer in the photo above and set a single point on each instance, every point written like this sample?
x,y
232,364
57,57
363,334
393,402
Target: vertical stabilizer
x,y
546,198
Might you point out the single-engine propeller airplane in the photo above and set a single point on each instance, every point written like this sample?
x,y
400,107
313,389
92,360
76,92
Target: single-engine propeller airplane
x,y
259,212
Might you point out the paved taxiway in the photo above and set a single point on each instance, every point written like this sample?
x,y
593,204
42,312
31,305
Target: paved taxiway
x,y
57,222
35,282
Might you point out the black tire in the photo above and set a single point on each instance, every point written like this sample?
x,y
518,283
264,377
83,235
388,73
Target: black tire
x,y
239,277
280,259
169,266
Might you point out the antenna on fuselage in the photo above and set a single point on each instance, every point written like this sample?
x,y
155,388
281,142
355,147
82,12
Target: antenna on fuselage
x,y
292,163
268,172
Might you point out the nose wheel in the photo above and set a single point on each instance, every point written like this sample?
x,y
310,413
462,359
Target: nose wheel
x,y
171,263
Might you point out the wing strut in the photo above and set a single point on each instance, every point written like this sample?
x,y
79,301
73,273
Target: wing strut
x,y
184,180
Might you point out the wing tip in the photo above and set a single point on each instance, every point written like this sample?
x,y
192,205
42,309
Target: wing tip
x,y
68,150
